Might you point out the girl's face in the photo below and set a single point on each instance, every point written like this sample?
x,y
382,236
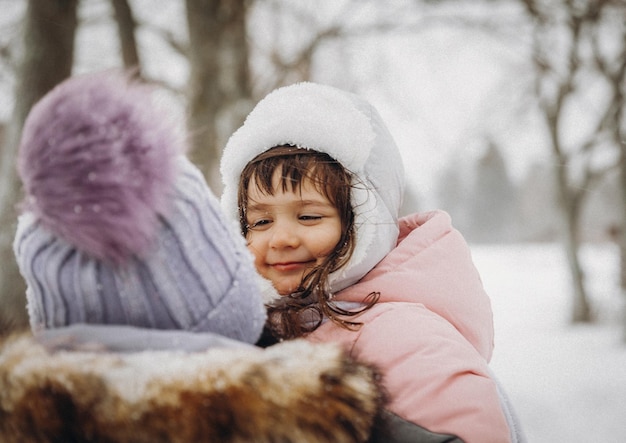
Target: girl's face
x,y
290,232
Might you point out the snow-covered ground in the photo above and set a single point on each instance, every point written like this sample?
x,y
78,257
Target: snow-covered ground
x,y
567,383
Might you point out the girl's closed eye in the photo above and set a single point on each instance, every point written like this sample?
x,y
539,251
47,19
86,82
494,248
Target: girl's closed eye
x,y
259,224
310,217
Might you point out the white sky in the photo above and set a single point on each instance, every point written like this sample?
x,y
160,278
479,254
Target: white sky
x,y
446,92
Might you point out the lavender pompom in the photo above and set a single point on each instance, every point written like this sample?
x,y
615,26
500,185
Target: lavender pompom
x,y
97,162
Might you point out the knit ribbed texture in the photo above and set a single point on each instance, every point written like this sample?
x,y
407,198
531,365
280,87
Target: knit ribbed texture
x,y
197,276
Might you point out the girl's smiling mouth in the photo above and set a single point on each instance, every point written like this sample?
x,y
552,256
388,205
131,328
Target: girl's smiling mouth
x,y
292,266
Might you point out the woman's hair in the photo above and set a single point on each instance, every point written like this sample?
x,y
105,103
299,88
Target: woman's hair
x,y
303,311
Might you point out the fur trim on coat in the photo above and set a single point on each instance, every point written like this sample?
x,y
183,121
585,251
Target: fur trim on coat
x,y
291,392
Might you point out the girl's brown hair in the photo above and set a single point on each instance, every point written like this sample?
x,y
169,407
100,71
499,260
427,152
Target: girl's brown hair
x,y
304,310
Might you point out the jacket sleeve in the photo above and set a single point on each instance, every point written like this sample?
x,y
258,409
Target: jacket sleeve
x,y
433,375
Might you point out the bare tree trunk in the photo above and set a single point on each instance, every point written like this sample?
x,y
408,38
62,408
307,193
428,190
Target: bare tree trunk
x,y
570,204
620,128
126,30
556,84
614,71
219,93
620,139
581,310
48,42
619,135
621,230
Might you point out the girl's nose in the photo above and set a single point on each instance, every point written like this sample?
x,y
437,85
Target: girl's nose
x,y
284,236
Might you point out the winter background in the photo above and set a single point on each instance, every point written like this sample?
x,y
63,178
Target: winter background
x,y
567,383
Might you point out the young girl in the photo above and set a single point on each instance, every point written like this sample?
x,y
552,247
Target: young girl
x,y
316,182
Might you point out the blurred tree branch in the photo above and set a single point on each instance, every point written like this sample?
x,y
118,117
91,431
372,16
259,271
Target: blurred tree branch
x,y
563,33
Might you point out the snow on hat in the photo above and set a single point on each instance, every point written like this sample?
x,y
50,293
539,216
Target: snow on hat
x,y
118,226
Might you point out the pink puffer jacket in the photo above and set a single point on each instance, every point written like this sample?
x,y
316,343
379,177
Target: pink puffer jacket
x,y
431,332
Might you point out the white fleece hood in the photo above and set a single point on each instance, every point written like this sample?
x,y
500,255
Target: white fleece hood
x,y
350,130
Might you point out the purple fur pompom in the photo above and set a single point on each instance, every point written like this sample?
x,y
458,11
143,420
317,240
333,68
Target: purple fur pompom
x,y
97,162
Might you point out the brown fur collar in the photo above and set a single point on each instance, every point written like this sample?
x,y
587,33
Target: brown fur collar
x,y
291,392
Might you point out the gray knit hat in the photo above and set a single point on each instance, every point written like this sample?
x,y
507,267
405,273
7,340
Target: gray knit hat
x,y
118,226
